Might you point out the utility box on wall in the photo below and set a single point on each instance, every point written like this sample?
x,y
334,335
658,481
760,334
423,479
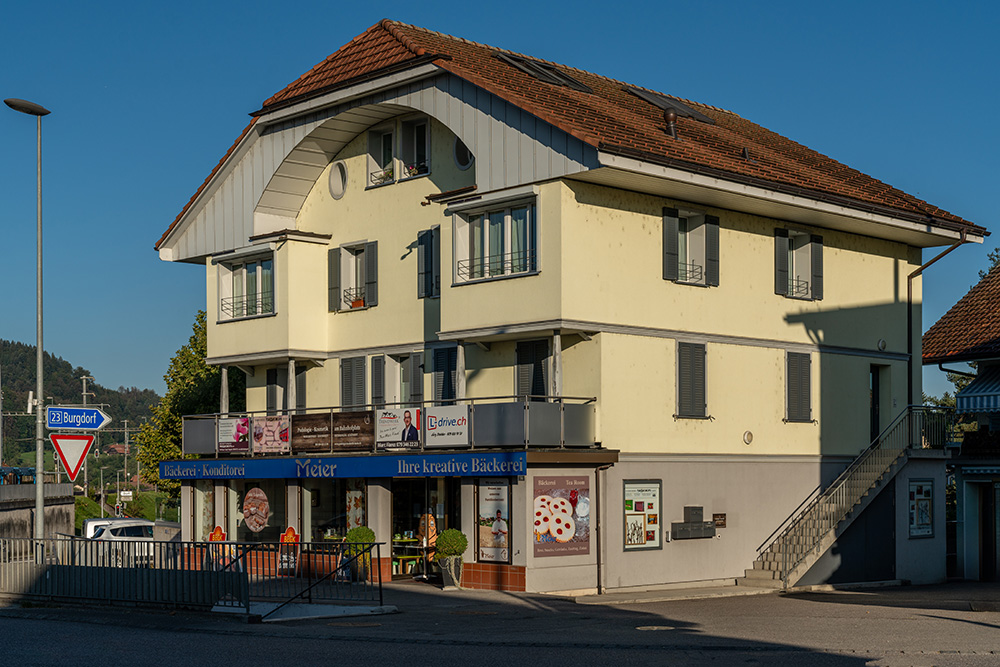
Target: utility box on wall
x,y
694,525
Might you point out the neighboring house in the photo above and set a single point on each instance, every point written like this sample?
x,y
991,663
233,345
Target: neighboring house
x,y
970,332
620,304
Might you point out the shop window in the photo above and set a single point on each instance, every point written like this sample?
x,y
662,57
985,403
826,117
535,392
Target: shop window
x,y
332,507
260,510
204,509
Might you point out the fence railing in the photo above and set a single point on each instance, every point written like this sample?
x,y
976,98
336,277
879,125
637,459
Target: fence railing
x,y
917,427
196,574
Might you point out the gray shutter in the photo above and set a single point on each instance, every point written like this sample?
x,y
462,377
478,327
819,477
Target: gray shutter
x,y
532,370
436,261
816,262
272,389
371,273
423,264
712,250
670,223
358,376
300,387
691,380
445,362
798,386
378,381
346,382
417,377
333,279
781,262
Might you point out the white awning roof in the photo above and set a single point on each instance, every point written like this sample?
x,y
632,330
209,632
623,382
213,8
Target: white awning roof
x,y
983,393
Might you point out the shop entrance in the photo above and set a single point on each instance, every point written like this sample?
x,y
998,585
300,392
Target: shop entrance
x,y
421,508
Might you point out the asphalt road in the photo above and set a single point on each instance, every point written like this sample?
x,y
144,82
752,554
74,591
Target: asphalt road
x,y
955,624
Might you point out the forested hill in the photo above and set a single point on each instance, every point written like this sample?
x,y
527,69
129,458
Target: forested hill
x,y
62,382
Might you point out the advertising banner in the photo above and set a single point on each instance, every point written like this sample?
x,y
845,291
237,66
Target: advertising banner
x,y
234,435
562,516
642,515
493,528
921,508
354,431
446,426
398,428
311,433
270,435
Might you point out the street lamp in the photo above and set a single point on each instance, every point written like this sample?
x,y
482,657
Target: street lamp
x,y
37,111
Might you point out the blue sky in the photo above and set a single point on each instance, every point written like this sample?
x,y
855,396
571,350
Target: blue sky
x,y
146,97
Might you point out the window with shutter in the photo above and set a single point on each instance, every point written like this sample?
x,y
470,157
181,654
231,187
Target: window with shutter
x,y
690,247
445,362
353,277
417,377
277,386
300,387
378,381
797,387
798,264
691,397
532,368
352,382
429,263
496,242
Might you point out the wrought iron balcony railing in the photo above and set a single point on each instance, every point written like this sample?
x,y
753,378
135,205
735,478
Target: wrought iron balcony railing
x,y
416,169
798,287
380,176
691,273
491,266
354,297
248,305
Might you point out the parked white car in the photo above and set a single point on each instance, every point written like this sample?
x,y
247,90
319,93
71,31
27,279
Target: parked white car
x,y
132,543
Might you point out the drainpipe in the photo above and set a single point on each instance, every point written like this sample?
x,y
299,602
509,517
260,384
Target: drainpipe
x,y
909,313
597,518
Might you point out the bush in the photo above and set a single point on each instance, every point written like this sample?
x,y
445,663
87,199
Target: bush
x,y
360,535
450,543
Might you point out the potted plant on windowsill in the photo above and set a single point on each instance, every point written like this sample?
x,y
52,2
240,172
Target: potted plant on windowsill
x,y
450,546
357,551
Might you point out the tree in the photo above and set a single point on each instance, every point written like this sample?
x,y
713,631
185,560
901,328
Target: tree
x,y
192,389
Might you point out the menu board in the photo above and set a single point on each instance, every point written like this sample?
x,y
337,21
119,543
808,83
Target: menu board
x,y
642,515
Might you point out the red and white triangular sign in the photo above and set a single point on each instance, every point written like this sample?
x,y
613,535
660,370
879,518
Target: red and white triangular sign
x,y
72,450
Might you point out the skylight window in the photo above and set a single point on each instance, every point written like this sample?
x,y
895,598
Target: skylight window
x,y
543,72
664,102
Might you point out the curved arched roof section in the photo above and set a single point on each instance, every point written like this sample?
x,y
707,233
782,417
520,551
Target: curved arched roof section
x,y
263,184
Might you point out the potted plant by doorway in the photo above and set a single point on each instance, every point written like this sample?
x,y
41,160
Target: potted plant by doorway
x,y
357,551
449,547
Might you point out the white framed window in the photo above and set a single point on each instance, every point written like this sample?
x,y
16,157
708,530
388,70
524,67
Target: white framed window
x,y
798,264
246,287
415,149
381,156
352,272
690,247
496,242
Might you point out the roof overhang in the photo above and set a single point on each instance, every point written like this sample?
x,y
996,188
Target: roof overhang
x,y
715,190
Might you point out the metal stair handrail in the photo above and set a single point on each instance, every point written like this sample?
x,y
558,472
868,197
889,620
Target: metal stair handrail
x,y
805,528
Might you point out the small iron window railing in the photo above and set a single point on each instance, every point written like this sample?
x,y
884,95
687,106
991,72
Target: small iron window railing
x,y
380,176
798,287
691,273
491,266
354,297
416,169
248,305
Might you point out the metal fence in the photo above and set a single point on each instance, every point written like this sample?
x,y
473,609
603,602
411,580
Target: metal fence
x,y
196,574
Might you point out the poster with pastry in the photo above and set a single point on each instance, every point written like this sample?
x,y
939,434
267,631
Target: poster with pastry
x,y
560,516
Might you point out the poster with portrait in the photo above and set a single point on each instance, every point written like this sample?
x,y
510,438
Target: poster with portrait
x,y
921,496
642,514
398,429
270,434
493,524
561,516
234,435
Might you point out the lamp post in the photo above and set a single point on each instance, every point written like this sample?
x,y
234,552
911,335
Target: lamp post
x,y
37,111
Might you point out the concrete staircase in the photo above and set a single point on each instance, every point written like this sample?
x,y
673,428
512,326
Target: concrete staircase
x,y
812,529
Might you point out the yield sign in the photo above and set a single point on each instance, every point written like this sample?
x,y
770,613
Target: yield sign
x,y
72,451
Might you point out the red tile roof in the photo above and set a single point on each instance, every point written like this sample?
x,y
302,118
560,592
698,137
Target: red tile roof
x,y
970,330
613,120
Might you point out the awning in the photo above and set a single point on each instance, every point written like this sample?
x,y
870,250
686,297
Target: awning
x,y
983,393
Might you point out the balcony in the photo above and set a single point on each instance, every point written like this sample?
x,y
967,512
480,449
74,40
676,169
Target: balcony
x,y
248,305
499,422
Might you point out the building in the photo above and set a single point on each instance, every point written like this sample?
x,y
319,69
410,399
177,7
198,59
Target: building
x,y
625,306
970,332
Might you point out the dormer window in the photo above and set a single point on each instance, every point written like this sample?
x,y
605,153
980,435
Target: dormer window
x,y
543,72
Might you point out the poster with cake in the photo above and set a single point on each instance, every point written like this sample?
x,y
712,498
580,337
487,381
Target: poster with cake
x,y
561,516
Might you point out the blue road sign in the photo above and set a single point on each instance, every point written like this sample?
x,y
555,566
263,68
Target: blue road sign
x,y
75,419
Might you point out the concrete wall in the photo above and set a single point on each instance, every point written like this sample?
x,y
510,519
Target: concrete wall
x,y
921,560
17,510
